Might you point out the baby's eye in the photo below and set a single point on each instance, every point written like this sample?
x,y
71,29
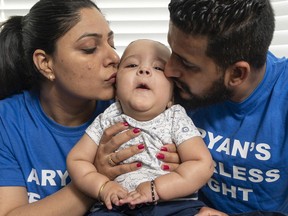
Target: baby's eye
x,y
131,65
159,68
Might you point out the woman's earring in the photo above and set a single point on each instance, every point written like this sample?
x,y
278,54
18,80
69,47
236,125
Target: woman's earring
x,y
51,77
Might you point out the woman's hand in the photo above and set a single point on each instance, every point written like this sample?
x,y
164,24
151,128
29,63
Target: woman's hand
x,y
169,157
107,160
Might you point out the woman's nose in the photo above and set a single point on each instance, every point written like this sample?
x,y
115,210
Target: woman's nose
x,y
112,58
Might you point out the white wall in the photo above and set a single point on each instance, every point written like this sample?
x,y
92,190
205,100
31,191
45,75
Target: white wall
x,y
133,19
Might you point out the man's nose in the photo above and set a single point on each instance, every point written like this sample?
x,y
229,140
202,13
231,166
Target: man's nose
x,y
170,70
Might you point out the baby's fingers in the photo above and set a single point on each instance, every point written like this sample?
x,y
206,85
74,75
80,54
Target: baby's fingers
x,y
108,203
139,200
115,199
129,197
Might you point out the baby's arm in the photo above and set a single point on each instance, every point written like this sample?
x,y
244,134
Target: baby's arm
x,y
194,171
85,176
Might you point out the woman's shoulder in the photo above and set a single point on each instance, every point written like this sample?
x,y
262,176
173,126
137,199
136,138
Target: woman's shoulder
x,y
16,103
12,101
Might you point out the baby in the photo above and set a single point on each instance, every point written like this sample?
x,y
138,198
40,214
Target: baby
x,y
144,100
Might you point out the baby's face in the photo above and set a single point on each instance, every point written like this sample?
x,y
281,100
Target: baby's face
x,y
142,88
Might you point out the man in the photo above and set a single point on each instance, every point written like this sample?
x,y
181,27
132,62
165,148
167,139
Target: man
x,y
238,92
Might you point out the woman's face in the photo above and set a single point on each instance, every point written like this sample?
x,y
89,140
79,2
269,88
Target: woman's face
x,y
85,62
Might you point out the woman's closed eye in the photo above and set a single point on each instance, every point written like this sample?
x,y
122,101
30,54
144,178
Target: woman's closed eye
x,y
89,50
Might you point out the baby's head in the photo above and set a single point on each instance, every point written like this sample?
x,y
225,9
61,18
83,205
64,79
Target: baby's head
x,y
142,88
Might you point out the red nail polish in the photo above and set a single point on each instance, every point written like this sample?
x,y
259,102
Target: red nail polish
x,y
164,148
141,146
125,124
160,156
165,167
139,164
136,130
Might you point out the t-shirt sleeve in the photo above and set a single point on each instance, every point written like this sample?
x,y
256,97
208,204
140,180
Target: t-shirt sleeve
x,y
10,171
183,127
95,130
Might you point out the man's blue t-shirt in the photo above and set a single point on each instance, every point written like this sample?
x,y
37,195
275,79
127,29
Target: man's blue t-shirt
x,y
33,148
249,145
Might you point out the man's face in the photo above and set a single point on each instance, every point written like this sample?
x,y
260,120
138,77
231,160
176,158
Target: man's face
x,y
198,80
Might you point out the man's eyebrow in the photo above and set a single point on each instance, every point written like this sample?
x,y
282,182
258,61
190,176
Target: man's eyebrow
x,y
184,59
179,56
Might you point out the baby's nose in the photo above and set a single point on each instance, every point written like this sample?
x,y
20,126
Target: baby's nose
x,y
144,72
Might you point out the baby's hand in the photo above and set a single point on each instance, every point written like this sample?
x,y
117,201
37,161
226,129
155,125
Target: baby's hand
x,y
112,193
142,194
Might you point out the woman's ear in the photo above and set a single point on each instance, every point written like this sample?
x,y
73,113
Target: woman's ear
x,y
238,73
43,63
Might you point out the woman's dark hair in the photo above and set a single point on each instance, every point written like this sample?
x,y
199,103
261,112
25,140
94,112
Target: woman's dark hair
x,y
20,36
235,29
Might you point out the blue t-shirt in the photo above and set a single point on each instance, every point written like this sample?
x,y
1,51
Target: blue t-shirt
x,y
249,145
33,148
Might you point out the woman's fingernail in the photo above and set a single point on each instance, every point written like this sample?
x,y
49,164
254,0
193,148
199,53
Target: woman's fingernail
x,y
139,164
160,156
164,148
141,146
125,124
165,167
136,130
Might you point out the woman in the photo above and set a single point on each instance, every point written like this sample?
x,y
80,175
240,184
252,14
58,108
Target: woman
x,y
58,67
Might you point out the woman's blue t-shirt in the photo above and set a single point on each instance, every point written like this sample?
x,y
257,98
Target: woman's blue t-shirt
x,y
33,148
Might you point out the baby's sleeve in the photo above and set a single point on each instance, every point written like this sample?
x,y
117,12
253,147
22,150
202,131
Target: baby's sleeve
x,y
95,130
183,127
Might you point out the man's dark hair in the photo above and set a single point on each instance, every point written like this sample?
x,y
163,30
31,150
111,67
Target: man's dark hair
x,y
235,29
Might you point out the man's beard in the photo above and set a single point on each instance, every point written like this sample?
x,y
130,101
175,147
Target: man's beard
x,y
217,93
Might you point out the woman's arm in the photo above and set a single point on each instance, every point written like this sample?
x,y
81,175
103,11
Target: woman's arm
x,y
67,201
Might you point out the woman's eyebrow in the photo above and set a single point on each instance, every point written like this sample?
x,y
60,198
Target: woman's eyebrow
x,y
97,35
90,35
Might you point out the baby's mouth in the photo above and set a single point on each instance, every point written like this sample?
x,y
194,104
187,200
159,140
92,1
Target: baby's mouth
x,y
143,86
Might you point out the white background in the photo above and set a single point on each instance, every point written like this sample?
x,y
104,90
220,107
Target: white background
x,y
134,19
